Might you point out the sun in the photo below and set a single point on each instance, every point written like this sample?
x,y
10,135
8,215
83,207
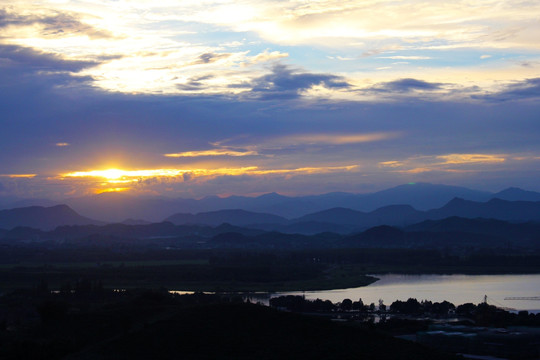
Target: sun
x,y
112,174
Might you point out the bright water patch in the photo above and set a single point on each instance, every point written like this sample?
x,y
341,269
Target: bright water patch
x,y
458,289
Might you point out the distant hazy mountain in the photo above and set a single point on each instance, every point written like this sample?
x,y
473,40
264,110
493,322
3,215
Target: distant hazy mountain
x,y
338,220
6,201
233,217
135,222
517,194
453,232
121,233
115,207
341,216
307,228
421,196
492,209
344,221
33,202
520,230
397,215
14,202
45,218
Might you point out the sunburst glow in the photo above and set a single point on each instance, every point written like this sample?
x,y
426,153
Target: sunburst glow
x,y
100,181
123,176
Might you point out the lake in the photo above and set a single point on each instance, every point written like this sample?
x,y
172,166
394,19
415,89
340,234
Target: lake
x,y
458,289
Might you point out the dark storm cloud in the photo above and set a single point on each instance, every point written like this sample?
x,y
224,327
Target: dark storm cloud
x,y
284,83
27,73
528,89
27,60
56,24
405,85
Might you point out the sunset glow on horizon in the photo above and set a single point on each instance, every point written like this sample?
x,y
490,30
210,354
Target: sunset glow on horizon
x,y
213,97
100,181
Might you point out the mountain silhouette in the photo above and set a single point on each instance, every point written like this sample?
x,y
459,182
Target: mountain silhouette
x,y
517,194
115,207
492,209
44,218
234,217
344,220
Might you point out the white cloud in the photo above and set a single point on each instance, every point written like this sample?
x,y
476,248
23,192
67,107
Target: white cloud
x,y
154,41
397,57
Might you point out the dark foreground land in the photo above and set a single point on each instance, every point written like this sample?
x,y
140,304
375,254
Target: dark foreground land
x,y
220,270
69,310
101,324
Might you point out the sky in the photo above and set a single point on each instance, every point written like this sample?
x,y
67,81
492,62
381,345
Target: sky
x,y
220,97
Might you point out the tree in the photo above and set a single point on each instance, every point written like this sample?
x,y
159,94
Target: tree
x,y
382,307
358,305
346,305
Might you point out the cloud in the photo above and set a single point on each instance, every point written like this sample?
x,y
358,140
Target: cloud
x,y
397,57
209,58
31,60
265,56
391,163
285,83
30,76
522,90
405,86
447,163
18,176
53,24
111,180
62,144
269,146
116,176
459,159
332,139
195,83
214,152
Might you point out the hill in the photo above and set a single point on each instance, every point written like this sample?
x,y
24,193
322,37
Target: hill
x,y
517,194
234,217
115,207
44,218
492,209
421,196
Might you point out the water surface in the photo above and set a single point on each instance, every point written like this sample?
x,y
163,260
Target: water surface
x,y
458,289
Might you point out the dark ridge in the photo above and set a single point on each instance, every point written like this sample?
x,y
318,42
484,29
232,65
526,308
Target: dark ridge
x,y
44,218
236,217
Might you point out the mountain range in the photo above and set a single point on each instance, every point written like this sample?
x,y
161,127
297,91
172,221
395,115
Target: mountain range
x,y
451,233
44,218
116,207
343,220
337,220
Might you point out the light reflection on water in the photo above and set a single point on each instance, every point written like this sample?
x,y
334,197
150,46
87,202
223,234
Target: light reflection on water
x,y
458,289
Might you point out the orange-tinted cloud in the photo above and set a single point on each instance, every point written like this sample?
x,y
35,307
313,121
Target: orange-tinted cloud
x,y
213,152
13,176
471,158
108,180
